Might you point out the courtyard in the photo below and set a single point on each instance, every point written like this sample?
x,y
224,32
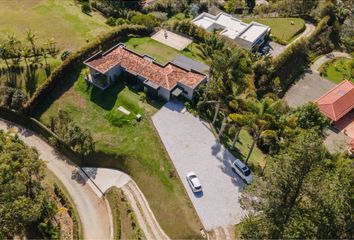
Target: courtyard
x,y
192,147
171,39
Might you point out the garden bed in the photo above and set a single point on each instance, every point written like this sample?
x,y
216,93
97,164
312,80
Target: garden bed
x,y
338,70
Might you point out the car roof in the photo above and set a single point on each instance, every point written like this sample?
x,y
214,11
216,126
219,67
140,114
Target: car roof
x,y
195,182
239,163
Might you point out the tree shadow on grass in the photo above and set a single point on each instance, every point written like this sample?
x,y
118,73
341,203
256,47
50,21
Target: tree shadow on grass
x,y
107,160
60,88
106,99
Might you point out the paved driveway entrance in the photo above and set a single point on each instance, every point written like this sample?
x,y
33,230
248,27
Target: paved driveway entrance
x,y
192,147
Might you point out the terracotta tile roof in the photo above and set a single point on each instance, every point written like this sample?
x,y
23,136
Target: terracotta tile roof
x,y
338,101
166,76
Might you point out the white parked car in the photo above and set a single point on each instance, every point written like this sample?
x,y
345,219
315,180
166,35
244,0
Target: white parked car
x,y
242,170
194,182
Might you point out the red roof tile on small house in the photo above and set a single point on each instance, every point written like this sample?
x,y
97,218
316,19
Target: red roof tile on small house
x,y
166,76
338,101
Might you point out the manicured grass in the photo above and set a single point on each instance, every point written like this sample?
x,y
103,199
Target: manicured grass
x,y
125,144
162,53
257,159
338,70
125,223
58,19
282,28
29,80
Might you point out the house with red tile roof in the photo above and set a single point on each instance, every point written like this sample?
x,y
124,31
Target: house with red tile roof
x,y
338,101
158,80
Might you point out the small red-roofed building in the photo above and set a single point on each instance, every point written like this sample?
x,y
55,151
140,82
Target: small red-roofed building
x,y
338,101
157,80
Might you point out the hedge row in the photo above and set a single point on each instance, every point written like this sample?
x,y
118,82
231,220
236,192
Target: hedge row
x,y
294,60
36,126
101,42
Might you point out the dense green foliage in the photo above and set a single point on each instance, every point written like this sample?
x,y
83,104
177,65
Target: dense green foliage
x,y
78,139
305,193
23,201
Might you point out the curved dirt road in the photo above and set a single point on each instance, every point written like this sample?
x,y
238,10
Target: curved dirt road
x,y
94,214
319,62
106,178
92,210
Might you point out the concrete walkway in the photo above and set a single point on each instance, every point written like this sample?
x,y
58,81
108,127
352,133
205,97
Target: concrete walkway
x,y
106,178
319,62
92,210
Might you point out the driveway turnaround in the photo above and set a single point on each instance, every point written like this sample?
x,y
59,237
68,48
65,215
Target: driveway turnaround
x,y
193,148
310,87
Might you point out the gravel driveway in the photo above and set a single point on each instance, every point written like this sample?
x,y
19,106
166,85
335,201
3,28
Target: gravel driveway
x,y
192,147
309,88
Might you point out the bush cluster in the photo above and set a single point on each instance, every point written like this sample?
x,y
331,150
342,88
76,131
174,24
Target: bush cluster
x,y
76,58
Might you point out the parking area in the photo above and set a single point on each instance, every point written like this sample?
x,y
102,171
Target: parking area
x,y
308,88
193,148
171,39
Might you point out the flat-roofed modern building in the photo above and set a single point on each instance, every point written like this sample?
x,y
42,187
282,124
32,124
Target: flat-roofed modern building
x,y
249,35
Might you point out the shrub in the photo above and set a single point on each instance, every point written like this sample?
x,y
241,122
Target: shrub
x,y
121,21
86,8
148,20
111,21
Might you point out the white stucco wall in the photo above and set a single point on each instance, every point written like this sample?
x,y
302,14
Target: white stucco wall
x,y
114,72
164,93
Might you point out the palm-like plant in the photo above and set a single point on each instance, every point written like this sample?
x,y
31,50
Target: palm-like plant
x,y
51,46
13,47
5,54
31,38
263,119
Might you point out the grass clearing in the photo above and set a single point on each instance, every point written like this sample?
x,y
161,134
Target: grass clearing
x,y
162,53
282,28
58,19
338,70
29,79
134,147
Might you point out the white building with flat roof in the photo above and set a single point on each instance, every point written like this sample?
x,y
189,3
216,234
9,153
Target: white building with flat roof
x,y
248,35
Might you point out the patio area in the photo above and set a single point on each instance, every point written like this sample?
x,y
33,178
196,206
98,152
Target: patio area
x,y
171,39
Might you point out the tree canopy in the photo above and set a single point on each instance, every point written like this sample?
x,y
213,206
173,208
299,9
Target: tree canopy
x,y
22,198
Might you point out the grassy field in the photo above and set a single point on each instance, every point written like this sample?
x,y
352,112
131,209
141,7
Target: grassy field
x,y
29,79
162,53
338,69
282,28
58,19
125,144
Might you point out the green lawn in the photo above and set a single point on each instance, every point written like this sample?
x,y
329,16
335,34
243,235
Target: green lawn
x,y
60,19
162,53
282,28
338,69
125,144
